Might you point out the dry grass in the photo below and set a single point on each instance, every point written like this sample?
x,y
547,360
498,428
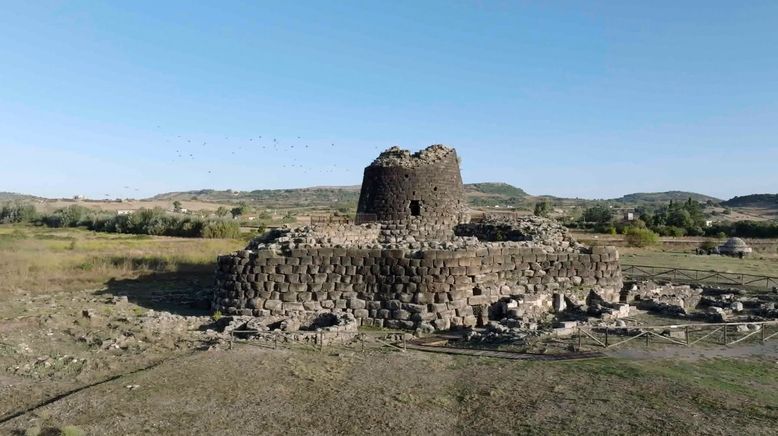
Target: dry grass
x,y
759,263
39,259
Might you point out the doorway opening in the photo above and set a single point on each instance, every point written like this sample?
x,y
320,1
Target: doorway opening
x,y
415,208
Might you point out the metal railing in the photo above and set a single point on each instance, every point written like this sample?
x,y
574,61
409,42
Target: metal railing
x,y
694,276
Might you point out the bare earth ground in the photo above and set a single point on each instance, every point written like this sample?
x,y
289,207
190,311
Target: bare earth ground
x,y
75,335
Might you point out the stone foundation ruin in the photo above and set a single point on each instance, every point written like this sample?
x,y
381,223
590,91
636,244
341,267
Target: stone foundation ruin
x,y
414,259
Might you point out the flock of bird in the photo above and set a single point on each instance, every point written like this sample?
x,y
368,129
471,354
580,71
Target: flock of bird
x,y
288,154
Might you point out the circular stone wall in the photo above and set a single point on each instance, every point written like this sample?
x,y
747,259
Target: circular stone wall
x,y
425,186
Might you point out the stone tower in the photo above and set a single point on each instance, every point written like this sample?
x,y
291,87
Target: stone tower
x,y
424,187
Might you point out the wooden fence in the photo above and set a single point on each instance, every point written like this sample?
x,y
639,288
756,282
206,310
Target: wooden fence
x,y
681,334
694,276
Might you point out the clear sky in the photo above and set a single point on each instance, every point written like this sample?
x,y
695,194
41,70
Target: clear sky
x,y
577,99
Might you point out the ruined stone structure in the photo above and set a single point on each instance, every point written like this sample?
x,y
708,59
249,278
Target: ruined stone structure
x,y
418,262
423,190
735,247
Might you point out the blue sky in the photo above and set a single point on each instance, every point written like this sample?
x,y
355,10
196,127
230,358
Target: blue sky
x,y
577,99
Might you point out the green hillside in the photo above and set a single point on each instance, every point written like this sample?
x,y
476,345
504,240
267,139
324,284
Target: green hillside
x,y
664,197
753,200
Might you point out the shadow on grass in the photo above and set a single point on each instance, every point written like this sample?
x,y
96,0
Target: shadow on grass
x,y
182,289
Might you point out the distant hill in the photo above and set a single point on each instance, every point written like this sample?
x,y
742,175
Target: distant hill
x,y
494,194
499,189
753,200
333,197
11,196
664,197
478,195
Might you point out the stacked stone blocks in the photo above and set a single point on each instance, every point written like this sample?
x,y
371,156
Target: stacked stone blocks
x,y
403,288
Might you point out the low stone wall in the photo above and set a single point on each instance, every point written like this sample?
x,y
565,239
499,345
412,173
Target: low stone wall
x,y
404,288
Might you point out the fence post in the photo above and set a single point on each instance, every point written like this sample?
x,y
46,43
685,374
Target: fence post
x,y
686,332
725,334
579,338
764,326
648,337
606,337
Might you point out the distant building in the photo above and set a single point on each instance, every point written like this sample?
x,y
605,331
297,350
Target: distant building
x,y
125,212
629,216
708,223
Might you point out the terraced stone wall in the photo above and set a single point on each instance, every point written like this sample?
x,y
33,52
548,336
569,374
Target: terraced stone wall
x,y
403,289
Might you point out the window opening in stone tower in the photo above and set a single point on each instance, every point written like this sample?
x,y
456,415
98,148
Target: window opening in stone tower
x,y
415,208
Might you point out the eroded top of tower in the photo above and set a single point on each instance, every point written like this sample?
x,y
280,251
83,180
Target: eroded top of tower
x,y
398,157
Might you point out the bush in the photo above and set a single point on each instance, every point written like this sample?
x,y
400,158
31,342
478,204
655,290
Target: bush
x,y
17,212
637,237
673,231
71,216
220,229
709,245
542,209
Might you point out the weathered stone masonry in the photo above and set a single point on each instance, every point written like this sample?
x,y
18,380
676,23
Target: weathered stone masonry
x,y
416,261
401,288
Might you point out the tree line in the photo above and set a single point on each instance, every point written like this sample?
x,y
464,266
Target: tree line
x,y
154,221
676,218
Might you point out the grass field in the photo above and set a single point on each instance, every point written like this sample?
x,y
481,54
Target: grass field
x,y
39,259
759,264
50,278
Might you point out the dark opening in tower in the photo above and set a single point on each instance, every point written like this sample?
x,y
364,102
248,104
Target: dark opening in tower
x,y
415,208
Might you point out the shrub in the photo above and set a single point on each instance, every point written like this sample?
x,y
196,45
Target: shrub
x,y
709,245
17,212
71,430
71,216
673,231
220,229
637,237
542,209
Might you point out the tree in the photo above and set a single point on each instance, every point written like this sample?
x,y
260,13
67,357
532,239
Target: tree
x,y
637,237
542,209
599,214
222,211
176,206
679,218
240,210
